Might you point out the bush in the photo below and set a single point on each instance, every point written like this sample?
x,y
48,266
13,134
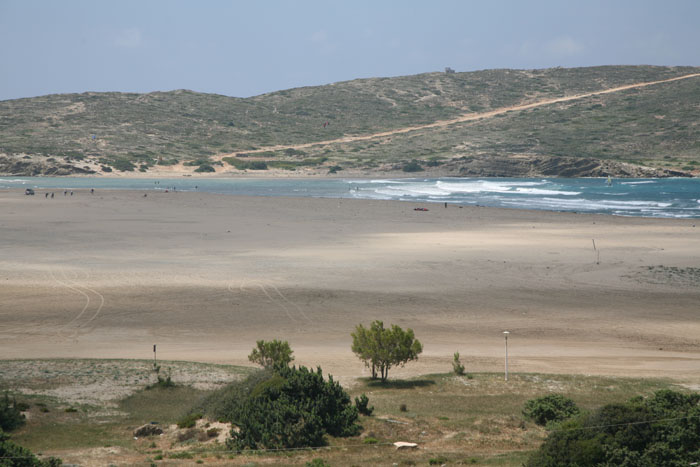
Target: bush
x,y
271,354
205,168
550,408
439,460
227,402
457,366
14,455
318,462
257,165
661,430
362,405
22,406
189,420
11,417
403,408
297,409
412,166
370,440
123,165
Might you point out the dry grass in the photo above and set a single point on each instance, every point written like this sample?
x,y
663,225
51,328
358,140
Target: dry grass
x,y
473,419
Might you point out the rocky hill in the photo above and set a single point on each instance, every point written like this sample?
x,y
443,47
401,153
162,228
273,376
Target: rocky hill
x,y
375,126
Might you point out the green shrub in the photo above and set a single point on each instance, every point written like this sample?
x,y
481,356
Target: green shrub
x,y
123,165
257,165
225,403
550,408
11,417
14,455
457,366
22,406
296,411
271,354
205,168
412,166
318,462
335,169
370,440
189,420
403,408
661,430
362,405
439,460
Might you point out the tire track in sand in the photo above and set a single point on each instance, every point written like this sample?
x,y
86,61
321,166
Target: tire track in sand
x,y
280,301
78,322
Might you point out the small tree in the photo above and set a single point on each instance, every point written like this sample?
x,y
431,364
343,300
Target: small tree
x,y
271,354
382,348
457,366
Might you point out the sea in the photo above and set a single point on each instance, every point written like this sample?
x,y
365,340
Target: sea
x,y
664,197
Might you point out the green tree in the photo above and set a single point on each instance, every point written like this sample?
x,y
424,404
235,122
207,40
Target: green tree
x,y
271,354
382,348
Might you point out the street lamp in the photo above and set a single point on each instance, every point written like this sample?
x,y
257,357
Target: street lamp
x,y
505,334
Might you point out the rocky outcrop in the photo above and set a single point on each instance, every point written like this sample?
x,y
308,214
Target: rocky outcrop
x,y
148,430
33,168
551,166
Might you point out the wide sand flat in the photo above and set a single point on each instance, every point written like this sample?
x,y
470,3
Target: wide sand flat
x,y
204,276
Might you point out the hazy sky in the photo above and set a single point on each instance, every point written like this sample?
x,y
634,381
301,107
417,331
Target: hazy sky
x,y
244,48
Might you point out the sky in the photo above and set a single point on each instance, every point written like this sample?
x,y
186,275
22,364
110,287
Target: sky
x,y
246,48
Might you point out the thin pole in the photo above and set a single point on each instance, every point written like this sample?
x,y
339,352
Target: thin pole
x,y
154,355
506,356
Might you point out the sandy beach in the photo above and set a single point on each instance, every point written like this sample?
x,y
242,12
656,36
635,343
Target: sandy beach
x,y
204,276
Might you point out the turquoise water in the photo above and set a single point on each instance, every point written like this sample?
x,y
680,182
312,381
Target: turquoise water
x,y
667,197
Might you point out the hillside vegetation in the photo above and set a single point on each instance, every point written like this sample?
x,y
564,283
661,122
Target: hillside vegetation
x,y
654,126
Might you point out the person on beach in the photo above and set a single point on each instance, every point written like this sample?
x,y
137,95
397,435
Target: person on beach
x,y
65,192
46,195
71,192
52,195
92,191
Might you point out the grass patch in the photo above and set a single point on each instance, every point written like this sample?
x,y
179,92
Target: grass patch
x,y
447,415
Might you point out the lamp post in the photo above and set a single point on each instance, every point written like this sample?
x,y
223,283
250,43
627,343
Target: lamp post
x,y
505,334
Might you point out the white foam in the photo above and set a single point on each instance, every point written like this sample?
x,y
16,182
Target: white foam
x,y
637,183
538,191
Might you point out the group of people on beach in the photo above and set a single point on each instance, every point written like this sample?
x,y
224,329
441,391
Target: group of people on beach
x,y
65,193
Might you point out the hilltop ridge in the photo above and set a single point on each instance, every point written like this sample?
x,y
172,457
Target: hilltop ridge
x,y
554,122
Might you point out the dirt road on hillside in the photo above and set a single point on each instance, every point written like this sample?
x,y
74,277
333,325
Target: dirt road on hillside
x,y
463,118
